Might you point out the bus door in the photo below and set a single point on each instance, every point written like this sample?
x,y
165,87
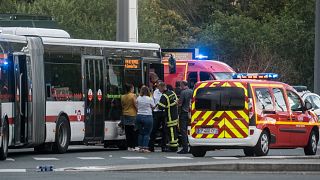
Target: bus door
x,y
93,88
22,105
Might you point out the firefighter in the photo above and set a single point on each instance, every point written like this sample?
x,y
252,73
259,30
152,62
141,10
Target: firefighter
x,y
169,103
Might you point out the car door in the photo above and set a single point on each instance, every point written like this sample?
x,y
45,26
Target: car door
x,y
315,101
297,129
283,118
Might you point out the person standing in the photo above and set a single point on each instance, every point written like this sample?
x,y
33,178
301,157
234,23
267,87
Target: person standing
x,y
129,113
184,103
158,121
168,102
145,105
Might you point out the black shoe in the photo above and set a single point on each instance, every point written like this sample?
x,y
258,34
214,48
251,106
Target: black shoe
x,y
183,151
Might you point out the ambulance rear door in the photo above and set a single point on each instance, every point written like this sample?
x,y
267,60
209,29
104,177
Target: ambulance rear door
x,y
220,110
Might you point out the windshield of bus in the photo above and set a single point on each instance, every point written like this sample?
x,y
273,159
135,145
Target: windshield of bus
x,y
220,99
222,75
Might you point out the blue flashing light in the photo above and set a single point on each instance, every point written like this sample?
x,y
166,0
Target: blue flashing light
x,y
200,56
5,63
266,76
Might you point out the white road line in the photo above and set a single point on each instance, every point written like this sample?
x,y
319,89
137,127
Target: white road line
x,y
10,159
45,159
225,158
134,157
178,157
13,170
90,158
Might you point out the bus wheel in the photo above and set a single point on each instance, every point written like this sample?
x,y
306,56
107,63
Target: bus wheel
x,y
249,151
4,140
198,151
311,148
262,147
63,134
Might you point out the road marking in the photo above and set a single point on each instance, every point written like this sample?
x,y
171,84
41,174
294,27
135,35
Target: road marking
x,y
13,170
45,159
178,157
10,159
90,158
225,158
134,157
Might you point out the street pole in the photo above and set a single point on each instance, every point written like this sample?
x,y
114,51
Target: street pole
x,y
127,20
317,50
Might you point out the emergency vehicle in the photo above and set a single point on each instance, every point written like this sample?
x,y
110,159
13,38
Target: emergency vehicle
x,y
194,71
252,113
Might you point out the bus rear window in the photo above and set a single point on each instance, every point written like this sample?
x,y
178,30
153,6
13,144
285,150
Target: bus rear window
x,y
220,99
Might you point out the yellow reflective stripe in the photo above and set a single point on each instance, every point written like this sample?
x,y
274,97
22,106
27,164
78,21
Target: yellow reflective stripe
x,y
230,114
193,130
210,135
198,136
218,114
226,134
162,105
244,115
289,123
233,129
241,125
195,115
221,123
226,84
222,134
238,84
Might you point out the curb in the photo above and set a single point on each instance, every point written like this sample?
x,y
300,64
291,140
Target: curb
x,y
208,166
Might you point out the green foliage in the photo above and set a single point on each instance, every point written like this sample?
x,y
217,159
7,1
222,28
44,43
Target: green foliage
x,y
94,20
250,35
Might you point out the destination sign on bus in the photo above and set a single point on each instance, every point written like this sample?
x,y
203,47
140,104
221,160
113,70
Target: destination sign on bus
x,y
132,64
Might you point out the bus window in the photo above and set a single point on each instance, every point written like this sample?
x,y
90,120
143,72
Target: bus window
x,y
4,86
63,76
204,76
192,79
114,88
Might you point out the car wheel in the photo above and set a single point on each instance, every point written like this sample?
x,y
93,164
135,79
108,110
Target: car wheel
x,y
249,151
262,147
198,151
311,148
4,140
63,134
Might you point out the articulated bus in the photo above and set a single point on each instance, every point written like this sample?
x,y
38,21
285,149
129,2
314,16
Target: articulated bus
x,y
60,91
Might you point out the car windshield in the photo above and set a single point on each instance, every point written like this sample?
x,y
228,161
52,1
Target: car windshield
x,y
222,75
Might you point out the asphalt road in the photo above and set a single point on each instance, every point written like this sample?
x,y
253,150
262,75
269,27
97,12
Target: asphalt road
x,y
85,156
22,164
161,176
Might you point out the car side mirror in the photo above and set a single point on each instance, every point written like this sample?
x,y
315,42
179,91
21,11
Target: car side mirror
x,y
308,105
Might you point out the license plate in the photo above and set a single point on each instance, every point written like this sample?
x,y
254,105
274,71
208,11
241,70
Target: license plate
x,y
207,131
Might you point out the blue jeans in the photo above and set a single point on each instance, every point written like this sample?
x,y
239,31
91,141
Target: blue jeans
x,y
144,124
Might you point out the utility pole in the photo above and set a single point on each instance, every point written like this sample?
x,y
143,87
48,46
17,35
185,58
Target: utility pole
x,y
127,20
317,50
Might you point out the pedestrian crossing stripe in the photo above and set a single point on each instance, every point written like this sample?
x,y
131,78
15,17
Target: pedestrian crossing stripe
x,y
13,170
10,159
225,158
90,158
45,159
134,157
178,157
